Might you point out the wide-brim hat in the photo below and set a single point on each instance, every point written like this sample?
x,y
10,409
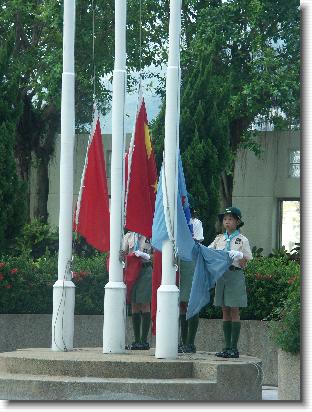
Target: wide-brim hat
x,y
235,211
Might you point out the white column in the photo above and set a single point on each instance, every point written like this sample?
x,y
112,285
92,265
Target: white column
x,y
115,290
167,318
64,289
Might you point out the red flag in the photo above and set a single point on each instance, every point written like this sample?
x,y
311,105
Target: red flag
x,y
91,218
131,273
142,186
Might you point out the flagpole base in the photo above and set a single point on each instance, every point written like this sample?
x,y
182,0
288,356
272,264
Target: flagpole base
x,y
63,315
114,328
167,322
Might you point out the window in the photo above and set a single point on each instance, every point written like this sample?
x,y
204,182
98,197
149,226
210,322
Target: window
x,y
289,223
108,163
294,163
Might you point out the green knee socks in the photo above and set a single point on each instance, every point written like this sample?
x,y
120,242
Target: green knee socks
x,y
146,322
184,327
236,326
136,323
192,329
227,331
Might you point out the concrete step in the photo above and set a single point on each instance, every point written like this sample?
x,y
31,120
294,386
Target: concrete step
x,y
94,363
44,387
41,374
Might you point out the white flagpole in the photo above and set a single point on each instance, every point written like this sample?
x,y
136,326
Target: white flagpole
x,y
115,290
167,328
64,289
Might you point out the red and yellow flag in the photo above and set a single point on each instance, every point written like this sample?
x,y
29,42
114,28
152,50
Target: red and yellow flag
x,y
142,186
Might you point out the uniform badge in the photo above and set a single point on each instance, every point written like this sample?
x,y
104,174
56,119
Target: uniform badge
x,y
238,241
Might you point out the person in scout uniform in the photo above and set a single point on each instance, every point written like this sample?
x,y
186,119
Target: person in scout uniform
x,y
189,327
230,292
142,289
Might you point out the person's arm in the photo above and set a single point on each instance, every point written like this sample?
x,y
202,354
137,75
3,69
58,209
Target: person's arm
x,y
212,244
247,254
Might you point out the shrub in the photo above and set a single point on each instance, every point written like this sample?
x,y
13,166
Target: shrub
x,y
36,238
90,276
286,332
267,283
26,283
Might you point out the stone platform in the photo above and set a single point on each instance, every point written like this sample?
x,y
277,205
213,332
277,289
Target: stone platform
x,y
88,374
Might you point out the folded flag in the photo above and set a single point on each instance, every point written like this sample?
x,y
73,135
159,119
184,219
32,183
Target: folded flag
x,y
210,266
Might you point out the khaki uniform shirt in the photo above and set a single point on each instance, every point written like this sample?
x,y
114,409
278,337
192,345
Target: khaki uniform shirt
x,y
128,243
239,242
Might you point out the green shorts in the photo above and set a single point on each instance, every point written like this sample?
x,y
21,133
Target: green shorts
x,y
142,289
231,290
186,278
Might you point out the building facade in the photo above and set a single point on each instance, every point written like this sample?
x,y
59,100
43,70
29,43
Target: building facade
x,y
267,190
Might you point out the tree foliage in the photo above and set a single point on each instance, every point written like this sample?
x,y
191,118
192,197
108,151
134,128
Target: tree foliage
x,y
241,68
240,64
35,30
11,190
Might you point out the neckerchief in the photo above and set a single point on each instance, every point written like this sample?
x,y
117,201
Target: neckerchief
x,y
229,238
136,242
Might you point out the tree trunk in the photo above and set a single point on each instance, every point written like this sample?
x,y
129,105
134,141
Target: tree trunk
x,y
237,128
226,190
35,138
40,207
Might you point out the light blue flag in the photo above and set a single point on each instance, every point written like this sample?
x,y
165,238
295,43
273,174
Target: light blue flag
x,y
210,266
160,231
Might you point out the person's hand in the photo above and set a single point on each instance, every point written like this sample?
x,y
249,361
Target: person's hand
x,y
143,255
243,263
235,254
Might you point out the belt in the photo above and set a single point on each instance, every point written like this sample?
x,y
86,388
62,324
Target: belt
x,y
232,267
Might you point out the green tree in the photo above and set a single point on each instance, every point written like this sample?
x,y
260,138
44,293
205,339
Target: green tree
x,y
36,28
12,212
241,68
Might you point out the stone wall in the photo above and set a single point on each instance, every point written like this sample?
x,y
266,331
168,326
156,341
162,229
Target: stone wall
x,y
288,376
34,331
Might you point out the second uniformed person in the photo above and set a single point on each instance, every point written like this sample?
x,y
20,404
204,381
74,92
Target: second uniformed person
x,y
189,327
141,293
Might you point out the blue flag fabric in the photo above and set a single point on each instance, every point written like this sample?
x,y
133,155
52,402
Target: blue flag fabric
x,y
183,195
210,266
160,232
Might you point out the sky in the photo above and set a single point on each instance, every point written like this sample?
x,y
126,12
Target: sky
x,y
152,103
